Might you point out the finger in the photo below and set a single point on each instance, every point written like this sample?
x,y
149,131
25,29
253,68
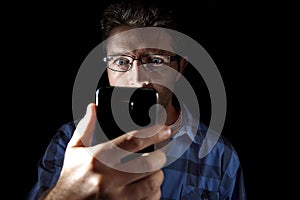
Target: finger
x,y
112,152
140,139
146,188
156,195
148,162
83,133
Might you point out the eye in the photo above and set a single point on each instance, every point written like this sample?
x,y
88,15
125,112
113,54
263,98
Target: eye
x,y
121,61
156,60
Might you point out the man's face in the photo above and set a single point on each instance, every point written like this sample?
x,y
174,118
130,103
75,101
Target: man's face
x,y
137,45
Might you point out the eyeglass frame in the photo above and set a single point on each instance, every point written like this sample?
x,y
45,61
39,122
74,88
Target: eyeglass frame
x,y
171,59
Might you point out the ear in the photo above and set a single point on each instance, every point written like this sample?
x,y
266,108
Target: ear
x,y
182,65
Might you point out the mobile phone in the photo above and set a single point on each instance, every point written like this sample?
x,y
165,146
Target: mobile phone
x,y
123,109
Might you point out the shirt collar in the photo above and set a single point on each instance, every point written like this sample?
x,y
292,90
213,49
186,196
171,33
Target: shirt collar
x,y
187,128
186,124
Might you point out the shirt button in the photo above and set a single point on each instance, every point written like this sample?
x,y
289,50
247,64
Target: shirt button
x,y
204,196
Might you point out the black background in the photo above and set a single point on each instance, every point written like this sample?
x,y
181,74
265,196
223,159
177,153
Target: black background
x,y
47,43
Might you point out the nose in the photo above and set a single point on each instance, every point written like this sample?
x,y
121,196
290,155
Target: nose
x,y
138,75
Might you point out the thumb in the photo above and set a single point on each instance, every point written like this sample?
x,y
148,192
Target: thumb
x,y
84,131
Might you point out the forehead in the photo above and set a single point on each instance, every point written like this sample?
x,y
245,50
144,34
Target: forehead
x,y
151,39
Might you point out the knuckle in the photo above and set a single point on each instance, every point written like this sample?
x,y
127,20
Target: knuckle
x,y
135,144
153,162
148,164
160,176
157,194
93,184
152,185
155,181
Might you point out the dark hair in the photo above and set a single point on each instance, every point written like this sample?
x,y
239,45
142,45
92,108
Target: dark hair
x,y
136,13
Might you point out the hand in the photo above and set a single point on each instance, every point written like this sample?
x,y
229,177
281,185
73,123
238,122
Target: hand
x,y
85,176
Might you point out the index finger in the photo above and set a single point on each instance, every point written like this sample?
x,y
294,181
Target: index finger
x,y
111,153
137,140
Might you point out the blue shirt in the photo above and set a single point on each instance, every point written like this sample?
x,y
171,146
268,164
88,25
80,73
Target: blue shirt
x,y
188,176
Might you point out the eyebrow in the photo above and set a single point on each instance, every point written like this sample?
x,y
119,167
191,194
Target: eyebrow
x,y
149,51
118,53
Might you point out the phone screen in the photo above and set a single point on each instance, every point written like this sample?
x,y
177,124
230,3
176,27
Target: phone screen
x,y
123,109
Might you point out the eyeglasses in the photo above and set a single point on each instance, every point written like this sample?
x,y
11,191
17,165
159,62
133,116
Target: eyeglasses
x,y
150,62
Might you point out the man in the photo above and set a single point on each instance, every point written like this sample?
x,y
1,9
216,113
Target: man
x,y
140,52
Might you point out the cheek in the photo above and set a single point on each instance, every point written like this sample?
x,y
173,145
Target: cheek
x,y
114,77
167,80
164,95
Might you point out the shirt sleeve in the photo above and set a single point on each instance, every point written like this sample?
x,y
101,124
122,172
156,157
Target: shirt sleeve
x,y
232,183
50,165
